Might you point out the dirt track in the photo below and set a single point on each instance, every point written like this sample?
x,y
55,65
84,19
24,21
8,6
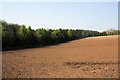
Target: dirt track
x,y
85,58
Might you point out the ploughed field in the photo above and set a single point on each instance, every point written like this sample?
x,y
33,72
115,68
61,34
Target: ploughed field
x,y
92,57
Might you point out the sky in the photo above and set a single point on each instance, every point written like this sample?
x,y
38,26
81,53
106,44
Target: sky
x,y
97,16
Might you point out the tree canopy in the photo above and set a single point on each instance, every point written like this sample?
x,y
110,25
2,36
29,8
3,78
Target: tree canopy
x,y
16,36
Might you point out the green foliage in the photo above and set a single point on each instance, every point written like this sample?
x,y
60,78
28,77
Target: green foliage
x,y
30,36
111,32
5,37
14,35
29,32
70,34
57,35
22,33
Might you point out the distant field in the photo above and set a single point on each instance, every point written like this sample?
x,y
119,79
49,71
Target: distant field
x,y
93,57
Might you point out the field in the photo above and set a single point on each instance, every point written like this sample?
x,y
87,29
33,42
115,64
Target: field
x,y
92,57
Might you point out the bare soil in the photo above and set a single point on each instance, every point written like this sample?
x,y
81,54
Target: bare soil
x,y
93,57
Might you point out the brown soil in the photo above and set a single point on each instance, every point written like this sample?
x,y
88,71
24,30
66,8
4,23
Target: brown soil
x,y
93,57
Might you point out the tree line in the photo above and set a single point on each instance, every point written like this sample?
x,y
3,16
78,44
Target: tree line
x,y
110,32
16,36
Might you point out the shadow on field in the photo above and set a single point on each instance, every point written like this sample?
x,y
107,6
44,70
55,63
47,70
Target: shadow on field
x,y
37,46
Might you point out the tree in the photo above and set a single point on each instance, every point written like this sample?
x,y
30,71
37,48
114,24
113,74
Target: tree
x,y
70,34
14,35
5,38
30,36
22,35
39,35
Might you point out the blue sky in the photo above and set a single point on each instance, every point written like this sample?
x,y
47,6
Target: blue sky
x,y
98,16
